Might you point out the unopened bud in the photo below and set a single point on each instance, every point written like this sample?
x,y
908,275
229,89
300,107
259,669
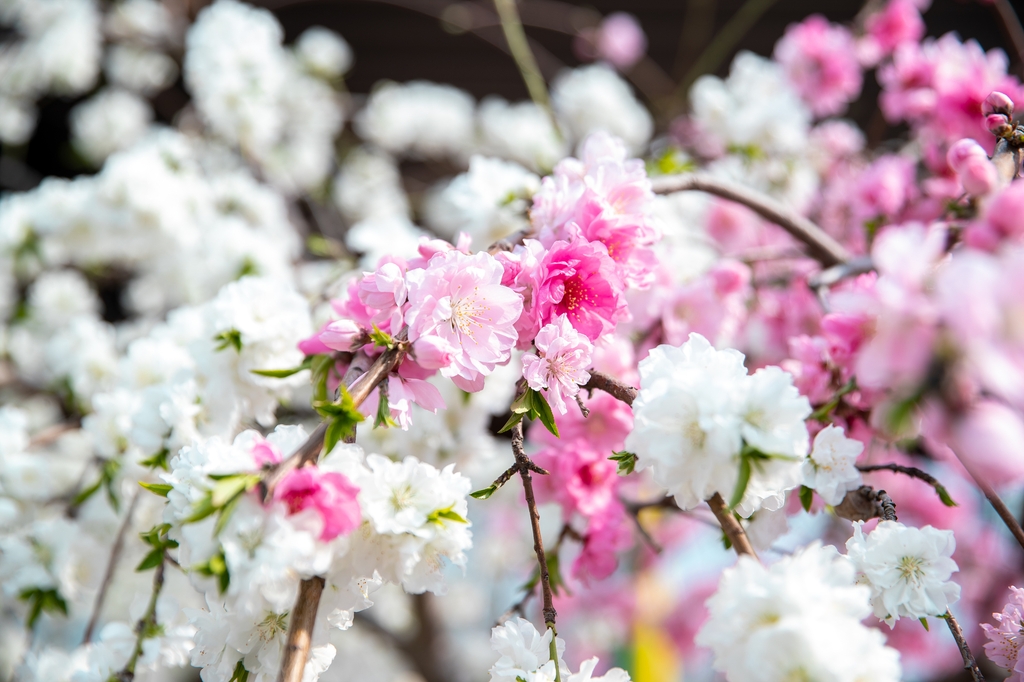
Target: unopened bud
x,y
978,176
341,335
998,103
963,150
998,125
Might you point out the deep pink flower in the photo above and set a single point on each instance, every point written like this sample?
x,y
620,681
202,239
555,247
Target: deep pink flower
x,y
578,279
460,299
329,493
560,366
607,535
265,452
626,237
314,345
821,61
1006,638
899,22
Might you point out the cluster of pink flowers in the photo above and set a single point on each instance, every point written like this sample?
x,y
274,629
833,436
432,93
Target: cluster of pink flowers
x,y
1006,638
821,61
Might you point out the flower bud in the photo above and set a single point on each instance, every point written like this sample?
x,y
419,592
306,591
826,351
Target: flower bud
x,y
963,150
432,352
341,335
998,125
997,103
978,176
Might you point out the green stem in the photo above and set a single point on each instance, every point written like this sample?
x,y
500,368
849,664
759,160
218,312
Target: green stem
x,y
725,40
145,625
512,26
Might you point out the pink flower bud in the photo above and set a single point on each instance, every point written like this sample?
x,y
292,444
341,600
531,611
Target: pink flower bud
x,y
998,125
961,151
341,335
432,352
621,41
997,103
978,176
313,345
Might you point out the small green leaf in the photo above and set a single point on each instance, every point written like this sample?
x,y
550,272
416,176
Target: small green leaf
x,y
160,489
944,495
449,514
383,416
85,494
151,560
225,514
218,568
283,373
201,509
626,460
40,600
240,674
230,338
227,489
484,493
512,421
157,459
542,411
806,497
344,416
741,482
382,339
321,368
924,622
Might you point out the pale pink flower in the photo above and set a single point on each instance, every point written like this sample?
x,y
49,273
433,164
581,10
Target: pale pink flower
x,y
621,40
460,299
339,335
971,164
820,60
1006,638
404,389
1002,220
330,494
314,345
578,279
265,452
988,439
606,428
432,352
713,305
560,367
384,292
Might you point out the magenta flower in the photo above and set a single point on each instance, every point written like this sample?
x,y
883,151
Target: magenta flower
x,y
460,299
1007,637
265,452
578,279
820,60
561,365
330,494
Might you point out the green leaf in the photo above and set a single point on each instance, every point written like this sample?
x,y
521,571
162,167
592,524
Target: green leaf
x,y
944,495
741,482
555,573
806,497
382,339
110,469
225,514
201,509
40,600
228,489
157,459
542,411
283,373
216,567
230,338
151,560
512,421
321,367
448,513
85,494
383,416
484,493
160,489
240,674
924,622
344,416
626,460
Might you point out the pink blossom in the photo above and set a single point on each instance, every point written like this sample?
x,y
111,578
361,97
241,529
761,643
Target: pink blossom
x,y
460,299
1006,638
820,60
621,40
1002,220
899,22
384,292
607,535
265,452
582,478
987,440
809,367
578,279
971,164
403,390
560,366
432,352
606,428
340,335
997,103
314,345
713,305
626,237
330,494
885,189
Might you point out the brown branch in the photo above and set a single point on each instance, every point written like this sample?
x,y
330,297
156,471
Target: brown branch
x,y
538,543
108,575
866,503
730,526
300,630
611,386
820,245
1007,159
970,665
997,503
52,433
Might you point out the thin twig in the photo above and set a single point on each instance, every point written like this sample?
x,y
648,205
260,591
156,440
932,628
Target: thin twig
x,y
820,245
634,514
145,626
115,554
913,472
730,526
538,543
52,433
970,665
1001,509
611,386
512,25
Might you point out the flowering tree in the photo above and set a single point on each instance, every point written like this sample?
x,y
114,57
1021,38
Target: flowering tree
x,y
254,414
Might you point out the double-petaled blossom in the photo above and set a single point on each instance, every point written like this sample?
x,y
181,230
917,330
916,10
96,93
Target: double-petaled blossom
x,y
461,300
821,61
831,469
1006,637
560,366
330,494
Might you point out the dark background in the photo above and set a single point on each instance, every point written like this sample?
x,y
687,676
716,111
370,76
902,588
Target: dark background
x,y
408,39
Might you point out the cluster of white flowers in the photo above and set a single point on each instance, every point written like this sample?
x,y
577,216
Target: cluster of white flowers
x,y
526,656
702,424
797,619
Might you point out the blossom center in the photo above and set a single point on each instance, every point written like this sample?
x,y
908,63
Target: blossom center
x,y
465,312
575,293
269,627
401,497
911,568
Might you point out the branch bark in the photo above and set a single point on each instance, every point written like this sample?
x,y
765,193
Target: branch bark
x,y
820,245
108,576
611,386
970,665
730,526
300,630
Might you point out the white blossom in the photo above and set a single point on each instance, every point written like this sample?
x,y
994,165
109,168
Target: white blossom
x,y
593,98
831,470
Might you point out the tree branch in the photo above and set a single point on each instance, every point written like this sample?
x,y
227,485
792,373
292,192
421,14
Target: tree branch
x,y
730,526
970,665
518,46
866,503
115,554
611,386
146,625
820,245
300,630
